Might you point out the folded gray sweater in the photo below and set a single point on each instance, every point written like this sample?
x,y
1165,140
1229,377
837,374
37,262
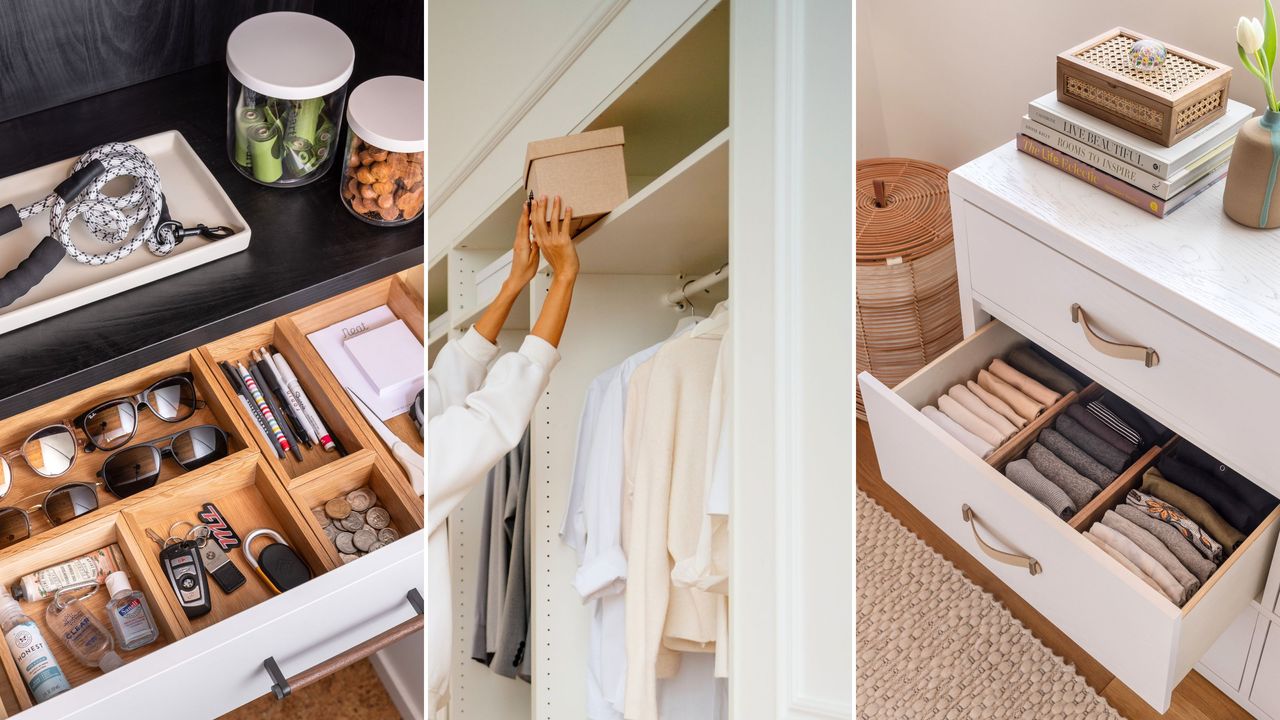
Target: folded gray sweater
x,y
1031,363
1152,546
1098,449
1075,457
1199,565
1024,475
1077,487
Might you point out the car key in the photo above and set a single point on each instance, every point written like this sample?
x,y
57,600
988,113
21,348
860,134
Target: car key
x,y
216,563
182,566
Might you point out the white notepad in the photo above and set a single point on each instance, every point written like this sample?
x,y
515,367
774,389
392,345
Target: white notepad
x,y
330,343
390,357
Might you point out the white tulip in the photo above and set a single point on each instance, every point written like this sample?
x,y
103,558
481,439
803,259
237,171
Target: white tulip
x,y
1249,35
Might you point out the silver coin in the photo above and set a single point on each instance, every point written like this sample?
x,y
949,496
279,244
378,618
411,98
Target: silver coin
x,y
321,517
364,537
331,531
345,542
388,535
378,517
347,557
360,499
377,546
352,522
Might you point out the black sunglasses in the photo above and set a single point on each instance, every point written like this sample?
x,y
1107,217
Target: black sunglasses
x,y
111,424
133,469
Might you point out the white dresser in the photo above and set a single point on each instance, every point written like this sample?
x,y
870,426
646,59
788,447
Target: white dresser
x,y
1181,317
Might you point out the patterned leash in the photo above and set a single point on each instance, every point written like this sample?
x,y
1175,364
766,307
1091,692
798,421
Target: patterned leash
x,y
108,218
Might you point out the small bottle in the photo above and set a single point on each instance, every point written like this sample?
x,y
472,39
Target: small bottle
x,y
130,616
32,654
82,633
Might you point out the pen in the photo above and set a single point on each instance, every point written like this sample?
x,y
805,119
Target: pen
x,y
238,387
309,410
265,409
282,400
281,421
299,412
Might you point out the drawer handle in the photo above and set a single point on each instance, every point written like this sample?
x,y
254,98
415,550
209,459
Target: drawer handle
x,y
1146,355
283,686
1025,561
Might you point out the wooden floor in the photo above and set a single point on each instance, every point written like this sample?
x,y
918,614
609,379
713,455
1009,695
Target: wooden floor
x,y
1195,699
353,692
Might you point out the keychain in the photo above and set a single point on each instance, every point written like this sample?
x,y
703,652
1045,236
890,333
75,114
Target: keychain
x,y
278,564
180,560
216,563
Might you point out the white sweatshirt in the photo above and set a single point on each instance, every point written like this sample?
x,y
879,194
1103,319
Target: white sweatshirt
x,y
473,420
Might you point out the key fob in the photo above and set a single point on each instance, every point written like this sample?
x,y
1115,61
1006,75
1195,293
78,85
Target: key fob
x,y
219,566
182,566
279,566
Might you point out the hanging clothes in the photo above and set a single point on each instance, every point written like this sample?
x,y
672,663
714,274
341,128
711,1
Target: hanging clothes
x,y
511,658
470,428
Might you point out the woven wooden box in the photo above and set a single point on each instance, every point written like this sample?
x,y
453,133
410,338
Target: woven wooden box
x,y
1165,106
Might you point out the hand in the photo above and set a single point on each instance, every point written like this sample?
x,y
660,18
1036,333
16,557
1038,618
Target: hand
x,y
553,238
524,260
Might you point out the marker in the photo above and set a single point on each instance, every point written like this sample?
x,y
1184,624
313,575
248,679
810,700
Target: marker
x,y
309,410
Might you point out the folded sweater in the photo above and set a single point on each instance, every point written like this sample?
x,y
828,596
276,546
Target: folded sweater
x,y
1026,408
1024,475
1194,507
1147,564
970,422
1152,546
1150,430
1028,385
1095,425
1171,538
1078,459
1164,512
1124,561
975,405
1113,421
1260,502
1096,447
974,443
1077,487
997,404
1031,363
1221,497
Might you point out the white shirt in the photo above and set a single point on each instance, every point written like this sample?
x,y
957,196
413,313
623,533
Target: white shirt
x,y
474,418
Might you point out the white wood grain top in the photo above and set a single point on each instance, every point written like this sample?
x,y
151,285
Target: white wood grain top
x,y
1197,264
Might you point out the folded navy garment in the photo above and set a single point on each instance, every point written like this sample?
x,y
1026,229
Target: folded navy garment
x,y
1220,497
1030,363
1258,501
1097,448
1151,432
1095,425
1113,421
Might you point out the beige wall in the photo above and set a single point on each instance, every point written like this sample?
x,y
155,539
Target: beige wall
x,y
947,80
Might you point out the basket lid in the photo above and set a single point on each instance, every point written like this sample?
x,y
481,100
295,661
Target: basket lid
x,y
386,112
290,55
914,217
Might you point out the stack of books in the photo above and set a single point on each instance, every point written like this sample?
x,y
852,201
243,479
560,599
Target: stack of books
x,y
1141,172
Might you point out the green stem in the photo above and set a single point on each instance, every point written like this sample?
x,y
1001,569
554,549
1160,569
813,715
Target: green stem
x,y
1266,81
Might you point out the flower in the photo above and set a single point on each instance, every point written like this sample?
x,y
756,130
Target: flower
x,y
1249,34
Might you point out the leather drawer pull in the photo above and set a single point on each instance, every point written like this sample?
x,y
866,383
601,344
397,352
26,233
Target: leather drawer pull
x,y
1147,356
1025,561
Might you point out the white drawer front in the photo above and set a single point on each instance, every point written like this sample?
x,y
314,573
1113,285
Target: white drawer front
x,y
220,668
1131,629
1204,390
1266,690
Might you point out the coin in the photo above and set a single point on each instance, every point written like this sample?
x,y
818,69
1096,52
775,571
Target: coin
x,y
331,531
364,537
352,522
345,542
320,516
388,535
378,517
337,508
377,546
347,557
360,499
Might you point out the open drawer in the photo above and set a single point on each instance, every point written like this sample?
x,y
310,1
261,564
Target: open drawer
x,y
1133,630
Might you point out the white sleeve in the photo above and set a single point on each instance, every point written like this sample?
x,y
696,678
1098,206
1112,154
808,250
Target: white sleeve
x,y
573,529
458,371
468,438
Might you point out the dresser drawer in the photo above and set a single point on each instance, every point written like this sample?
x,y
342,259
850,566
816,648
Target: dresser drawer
x,y
1206,391
1133,630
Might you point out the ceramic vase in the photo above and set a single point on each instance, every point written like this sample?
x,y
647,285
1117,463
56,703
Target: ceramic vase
x,y
1252,195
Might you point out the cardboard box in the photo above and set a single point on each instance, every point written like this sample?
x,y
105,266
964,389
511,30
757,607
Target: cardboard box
x,y
586,170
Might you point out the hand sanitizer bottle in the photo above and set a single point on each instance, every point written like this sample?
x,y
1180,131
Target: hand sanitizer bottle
x,y
32,654
130,616
82,633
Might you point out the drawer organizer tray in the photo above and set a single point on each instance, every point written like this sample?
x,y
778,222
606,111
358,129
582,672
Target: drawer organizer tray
x,y
194,196
253,489
1134,631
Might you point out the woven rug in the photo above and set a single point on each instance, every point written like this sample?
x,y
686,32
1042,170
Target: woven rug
x,y
934,646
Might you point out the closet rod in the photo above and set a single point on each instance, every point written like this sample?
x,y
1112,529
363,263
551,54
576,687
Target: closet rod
x,y
679,298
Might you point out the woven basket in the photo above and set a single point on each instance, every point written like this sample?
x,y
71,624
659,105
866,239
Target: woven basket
x,y
908,304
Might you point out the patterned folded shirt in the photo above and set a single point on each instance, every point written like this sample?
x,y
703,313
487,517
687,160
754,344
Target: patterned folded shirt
x,y
1163,511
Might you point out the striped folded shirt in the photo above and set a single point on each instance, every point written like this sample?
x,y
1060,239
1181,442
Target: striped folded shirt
x,y
1105,415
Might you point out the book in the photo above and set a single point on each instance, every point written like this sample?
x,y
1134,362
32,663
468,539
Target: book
x,y
1119,188
331,342
1145,181
1138,151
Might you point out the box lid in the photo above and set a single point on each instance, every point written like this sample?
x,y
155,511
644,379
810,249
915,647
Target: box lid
x,y
579,142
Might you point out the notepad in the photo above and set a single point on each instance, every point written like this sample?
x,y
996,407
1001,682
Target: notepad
x,y
390,357
330,343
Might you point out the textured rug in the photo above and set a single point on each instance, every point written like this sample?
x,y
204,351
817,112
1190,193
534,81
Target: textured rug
x,y
934,646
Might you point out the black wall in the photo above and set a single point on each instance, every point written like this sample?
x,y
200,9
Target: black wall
x,y
57,51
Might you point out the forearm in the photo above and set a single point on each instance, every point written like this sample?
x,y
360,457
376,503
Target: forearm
x,y
555,309
495,316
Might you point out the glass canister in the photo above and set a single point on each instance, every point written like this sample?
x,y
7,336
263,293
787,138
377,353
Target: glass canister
x,y
382,168
285,96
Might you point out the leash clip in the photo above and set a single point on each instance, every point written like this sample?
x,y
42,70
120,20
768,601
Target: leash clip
x,y
180,233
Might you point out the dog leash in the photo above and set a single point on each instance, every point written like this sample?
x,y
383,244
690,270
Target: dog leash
x,y
108,218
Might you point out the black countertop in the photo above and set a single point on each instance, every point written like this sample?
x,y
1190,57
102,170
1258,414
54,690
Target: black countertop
x,y
305,247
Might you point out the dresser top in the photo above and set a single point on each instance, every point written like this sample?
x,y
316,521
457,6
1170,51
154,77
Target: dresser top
x,y
1196,264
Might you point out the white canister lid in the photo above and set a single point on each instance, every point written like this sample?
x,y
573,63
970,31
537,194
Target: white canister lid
x,y
387,113
290,56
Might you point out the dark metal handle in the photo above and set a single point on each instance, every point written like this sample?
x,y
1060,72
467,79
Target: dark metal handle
x,y
283,686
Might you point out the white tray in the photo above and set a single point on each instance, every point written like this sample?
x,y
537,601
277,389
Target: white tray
x,y
194,196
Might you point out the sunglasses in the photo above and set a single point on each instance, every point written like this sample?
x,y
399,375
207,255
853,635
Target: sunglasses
x,y
61,504
112,424
49,451
135,468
